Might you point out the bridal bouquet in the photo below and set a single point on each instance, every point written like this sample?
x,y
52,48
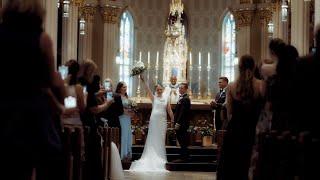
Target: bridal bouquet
x,y
137,69
133,105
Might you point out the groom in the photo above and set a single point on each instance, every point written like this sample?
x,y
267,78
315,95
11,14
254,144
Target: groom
x,y
181,121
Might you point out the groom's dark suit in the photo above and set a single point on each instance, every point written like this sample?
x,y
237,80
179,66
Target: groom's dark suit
x,y
181,117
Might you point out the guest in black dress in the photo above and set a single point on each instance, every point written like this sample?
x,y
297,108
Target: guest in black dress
x,y
243,105
28,135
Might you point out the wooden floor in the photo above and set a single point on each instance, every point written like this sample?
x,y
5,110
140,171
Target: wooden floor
x,y
170,176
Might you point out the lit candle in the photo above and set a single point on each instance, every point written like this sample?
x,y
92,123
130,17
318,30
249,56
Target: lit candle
x,y
157,62
190,57
208,59
199,58
140,54
148,58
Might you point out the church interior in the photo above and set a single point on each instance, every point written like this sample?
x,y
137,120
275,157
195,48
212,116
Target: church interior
x,y
236,81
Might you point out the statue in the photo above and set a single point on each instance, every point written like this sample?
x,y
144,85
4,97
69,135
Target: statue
x,y
174,90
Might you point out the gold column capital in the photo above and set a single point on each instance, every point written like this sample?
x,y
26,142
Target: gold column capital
x,y
78,3
243,17
265,15
110,14
87,12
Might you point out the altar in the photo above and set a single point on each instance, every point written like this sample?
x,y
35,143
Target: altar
x,y
201,121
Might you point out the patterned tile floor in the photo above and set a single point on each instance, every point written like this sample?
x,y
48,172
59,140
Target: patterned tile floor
x,y
177,175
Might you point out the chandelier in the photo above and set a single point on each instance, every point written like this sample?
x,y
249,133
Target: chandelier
x,y
175,27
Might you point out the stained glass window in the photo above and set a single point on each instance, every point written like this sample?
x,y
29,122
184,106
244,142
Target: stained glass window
x,y
229,61
126,48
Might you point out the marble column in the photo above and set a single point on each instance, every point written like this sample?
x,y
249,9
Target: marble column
x,y
85,41
300,12
110,42
243,20
70,33
265,16
316,13
51,23
280,27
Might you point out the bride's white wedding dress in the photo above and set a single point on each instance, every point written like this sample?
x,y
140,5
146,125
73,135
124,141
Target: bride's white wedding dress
x,y
154,157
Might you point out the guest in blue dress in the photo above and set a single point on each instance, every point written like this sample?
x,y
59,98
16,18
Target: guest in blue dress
x,y
125,123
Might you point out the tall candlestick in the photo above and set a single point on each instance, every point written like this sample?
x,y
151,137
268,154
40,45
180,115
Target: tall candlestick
x,y
148,59
208,83
190,58
199,80
157,61
140,55
190,77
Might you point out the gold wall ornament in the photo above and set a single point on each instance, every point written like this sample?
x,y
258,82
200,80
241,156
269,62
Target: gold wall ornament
x,y
243,17
87,12
265,15
110,14
245,1
78,3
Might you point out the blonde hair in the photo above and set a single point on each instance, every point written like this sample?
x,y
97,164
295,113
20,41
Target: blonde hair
x,y
88,69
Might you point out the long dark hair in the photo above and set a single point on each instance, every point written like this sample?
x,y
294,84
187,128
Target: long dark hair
x,y
244,88
73,70
119,86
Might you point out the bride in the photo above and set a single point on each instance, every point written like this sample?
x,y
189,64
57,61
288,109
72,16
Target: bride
x,y
154,153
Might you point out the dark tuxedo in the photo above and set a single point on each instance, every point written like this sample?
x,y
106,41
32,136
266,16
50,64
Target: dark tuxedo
x,y
114,111
220,100
181,117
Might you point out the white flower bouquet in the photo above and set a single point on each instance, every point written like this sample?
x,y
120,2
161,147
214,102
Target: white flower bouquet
x,y
137,69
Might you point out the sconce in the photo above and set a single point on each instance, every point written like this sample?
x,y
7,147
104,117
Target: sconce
x,y
66,5
284,10
82,26
270,28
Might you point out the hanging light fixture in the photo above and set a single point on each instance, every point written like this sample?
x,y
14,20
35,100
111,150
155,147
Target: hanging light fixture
x,y
66,5
284,10
82,26
270,27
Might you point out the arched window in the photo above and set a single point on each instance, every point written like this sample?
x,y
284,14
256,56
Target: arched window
x,y
126,48
228,62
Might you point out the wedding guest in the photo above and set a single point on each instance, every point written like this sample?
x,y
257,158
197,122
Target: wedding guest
x,y
95,105
219,102
29,138
307,116
125,123
74,91
116,109
244,98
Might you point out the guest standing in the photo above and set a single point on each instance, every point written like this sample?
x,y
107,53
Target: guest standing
x,y
125,122
219,102
28,135
243,106
115,110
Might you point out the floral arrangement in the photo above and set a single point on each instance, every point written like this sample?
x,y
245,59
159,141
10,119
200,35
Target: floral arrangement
x,y
137,69
206,131
139,130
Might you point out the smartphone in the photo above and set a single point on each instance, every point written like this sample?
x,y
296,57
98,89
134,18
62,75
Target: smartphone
x,y
109,95
70,102
107,85
63,70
